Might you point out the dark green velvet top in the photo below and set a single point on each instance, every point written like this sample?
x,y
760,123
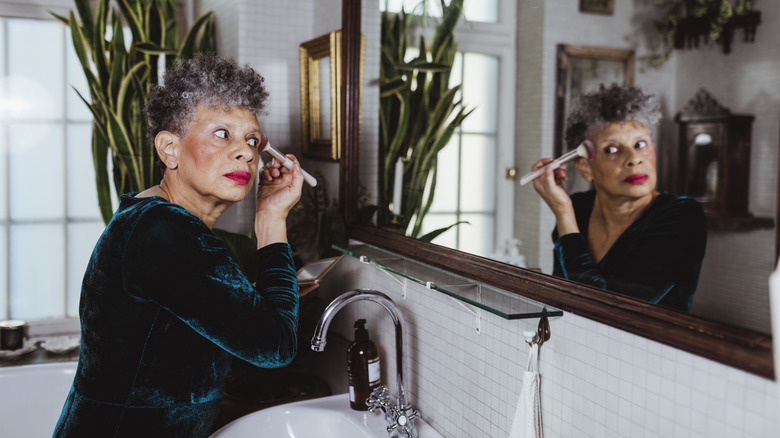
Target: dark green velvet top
x,y
163,309
657,258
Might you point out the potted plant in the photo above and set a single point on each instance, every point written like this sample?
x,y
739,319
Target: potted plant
x,y
419,112
120,74
684,21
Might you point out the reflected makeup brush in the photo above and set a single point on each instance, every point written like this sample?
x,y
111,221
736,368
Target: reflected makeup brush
x,y
265,146
583,150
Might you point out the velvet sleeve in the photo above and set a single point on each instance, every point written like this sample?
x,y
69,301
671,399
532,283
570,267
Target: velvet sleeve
x,y
174,260
657,259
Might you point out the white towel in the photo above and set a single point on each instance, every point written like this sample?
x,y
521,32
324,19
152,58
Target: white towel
x,y
528,414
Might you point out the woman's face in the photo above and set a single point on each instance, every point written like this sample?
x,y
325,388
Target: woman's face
x,y
624,163
218,156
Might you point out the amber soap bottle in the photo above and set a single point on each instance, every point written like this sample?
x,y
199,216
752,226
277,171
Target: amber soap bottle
x,y
362,367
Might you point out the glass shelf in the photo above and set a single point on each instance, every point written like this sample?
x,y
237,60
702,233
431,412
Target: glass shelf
x,y
496,301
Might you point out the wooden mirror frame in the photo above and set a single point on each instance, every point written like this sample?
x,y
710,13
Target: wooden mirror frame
x,y
738,347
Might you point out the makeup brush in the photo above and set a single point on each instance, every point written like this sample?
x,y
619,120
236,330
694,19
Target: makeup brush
x,y
265,146
581,151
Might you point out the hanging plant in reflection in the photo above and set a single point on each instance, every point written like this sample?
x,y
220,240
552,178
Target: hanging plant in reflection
x,y
419,113
120,74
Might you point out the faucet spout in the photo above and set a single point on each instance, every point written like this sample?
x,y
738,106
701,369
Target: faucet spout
x,y
321,330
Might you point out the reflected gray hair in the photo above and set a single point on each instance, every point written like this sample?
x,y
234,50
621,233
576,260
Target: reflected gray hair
x,y
616,104
206,80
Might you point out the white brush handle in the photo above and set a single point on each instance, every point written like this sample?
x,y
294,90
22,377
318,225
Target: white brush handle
x,y
286,162
580,151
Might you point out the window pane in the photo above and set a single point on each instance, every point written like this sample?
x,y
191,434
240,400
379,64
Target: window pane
x,y
39,95
81,194
445,198
480,91
37,271
477,175
36,171
485,11
81,240
478,237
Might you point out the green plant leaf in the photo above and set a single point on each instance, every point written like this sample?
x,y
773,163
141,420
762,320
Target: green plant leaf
x,y
122,147
85,14
187,48
428,237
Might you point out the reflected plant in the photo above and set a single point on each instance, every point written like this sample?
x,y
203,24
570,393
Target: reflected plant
x,y
120,73
419,113
715,13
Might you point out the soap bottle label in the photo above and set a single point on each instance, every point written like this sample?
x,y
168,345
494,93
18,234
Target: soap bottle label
x,y
373,372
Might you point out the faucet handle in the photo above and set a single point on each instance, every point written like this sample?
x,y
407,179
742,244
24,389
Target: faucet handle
x,y
403,423
379,398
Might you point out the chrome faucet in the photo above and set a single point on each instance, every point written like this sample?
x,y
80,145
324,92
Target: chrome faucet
x,y
400,417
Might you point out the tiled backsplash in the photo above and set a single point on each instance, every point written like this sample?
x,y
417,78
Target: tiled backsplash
x,y
597,381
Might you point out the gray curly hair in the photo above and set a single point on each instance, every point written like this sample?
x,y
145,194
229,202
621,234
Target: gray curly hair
x,y
616,104
207,80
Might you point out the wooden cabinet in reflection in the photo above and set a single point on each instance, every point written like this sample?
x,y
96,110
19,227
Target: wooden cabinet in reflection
x,y
714,159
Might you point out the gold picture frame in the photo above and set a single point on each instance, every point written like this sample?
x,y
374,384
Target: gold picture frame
x,y
320,61
320,74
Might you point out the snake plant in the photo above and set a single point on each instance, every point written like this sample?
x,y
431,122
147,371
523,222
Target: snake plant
x,y
120,73
419,112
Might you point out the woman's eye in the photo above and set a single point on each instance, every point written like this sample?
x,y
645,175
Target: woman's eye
x,y
610,149
641,144
221,133
253,142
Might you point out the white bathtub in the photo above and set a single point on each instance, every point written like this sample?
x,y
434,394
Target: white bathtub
x,y
31,398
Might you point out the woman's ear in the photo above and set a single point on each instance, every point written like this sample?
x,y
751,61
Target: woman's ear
x,y
583,167
166,143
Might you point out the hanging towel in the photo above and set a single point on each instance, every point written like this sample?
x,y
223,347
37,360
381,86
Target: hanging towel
x,y
528,414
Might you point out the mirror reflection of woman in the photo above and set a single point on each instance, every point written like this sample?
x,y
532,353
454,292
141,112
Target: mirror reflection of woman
x,y
623,235
163,307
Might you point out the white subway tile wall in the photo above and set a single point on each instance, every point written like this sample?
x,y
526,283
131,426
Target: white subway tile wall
x,y
597,381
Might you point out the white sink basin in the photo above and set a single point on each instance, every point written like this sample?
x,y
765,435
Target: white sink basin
x,y
317,418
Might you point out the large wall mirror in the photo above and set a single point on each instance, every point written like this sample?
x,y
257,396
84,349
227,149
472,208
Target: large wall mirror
x,y
736,281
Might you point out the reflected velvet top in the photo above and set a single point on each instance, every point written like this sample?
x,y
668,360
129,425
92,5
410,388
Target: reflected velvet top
x,y
656,259
163,309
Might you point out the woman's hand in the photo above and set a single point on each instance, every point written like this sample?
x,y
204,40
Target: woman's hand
x,y
278,190
548,186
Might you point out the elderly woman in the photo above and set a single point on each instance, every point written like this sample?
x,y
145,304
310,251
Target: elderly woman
x,y
623,235
163,306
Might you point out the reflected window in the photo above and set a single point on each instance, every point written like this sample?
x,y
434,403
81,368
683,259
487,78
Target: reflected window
x,y
49,218
467,177
482,11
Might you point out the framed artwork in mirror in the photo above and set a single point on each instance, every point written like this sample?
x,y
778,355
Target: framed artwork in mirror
x,y
320,61
581,69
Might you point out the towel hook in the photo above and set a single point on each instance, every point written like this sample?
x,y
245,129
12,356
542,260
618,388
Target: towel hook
x,y
542,333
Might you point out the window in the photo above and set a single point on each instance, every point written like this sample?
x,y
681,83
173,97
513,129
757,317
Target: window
x,y
470,183
49,219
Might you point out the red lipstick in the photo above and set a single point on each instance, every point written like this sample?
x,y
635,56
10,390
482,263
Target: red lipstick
x,y
239,176
637,179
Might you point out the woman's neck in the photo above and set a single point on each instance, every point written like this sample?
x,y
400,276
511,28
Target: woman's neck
x,y
206,211
619,213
